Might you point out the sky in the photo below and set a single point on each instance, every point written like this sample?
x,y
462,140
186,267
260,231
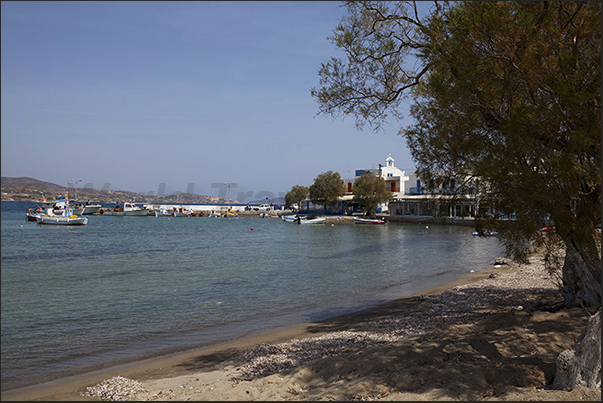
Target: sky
x,y
166,97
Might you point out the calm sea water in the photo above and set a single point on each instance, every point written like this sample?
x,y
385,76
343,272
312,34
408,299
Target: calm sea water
x,y
120,289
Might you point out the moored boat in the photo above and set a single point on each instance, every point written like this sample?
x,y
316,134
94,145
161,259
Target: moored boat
x,y
126,209
91,208
62,216
316,220
71,219
163,212
372,221
289,218
32,214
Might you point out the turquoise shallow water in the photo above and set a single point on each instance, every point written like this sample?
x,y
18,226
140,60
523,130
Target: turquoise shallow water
x,y
120,289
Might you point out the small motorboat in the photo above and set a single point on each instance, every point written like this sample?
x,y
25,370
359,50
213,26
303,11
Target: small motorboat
x,y
32,214
127,209
90,209
373,221
163,212
289,218
305,220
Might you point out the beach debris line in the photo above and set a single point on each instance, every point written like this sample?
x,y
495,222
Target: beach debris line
x,y
116,388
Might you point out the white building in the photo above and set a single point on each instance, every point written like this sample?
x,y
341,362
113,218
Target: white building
x,y
397,181
411,198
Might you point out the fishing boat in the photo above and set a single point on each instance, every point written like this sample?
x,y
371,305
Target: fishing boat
x,y
66,216
72,219
62,205
126,209
371,221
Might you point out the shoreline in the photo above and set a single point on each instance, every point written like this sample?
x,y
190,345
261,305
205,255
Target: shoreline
x,y
217,372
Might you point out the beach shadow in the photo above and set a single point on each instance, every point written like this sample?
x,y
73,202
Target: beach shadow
x,y
465,349
213,361
465,361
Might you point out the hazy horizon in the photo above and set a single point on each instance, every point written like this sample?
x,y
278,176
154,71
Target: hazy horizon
x,y
140,94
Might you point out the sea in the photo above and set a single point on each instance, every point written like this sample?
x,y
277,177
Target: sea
x,y
122,289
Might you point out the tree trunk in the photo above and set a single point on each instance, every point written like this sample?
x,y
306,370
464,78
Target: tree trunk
x,y
581,364
581,278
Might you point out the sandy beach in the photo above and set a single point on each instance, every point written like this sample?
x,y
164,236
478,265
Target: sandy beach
x,y
493,335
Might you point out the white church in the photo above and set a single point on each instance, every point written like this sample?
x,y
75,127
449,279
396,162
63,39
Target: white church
x,y
398,182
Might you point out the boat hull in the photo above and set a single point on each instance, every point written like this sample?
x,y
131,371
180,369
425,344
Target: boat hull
x,y
31,217
369,221
126,213
91,209
161,213
61,220
312,221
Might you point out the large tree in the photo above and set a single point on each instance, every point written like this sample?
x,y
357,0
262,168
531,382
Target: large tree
x,y
327,188
296,194
370,190
506,94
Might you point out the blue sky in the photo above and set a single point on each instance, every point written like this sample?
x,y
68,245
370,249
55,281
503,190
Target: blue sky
x,y
140,94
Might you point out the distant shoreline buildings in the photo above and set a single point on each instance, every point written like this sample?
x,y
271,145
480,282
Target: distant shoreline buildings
x,y
412,200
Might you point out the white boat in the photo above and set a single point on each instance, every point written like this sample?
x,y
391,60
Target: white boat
x,y
65,217
163,212
317,220
371,221
127,209
59,205
71,219
303,220
91,208
289,218
45,203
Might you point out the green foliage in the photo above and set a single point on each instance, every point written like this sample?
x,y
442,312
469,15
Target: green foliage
x,y
513,97
507,93
369,190
327,188
296,194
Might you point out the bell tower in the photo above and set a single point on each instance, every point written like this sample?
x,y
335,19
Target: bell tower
x,y
389,161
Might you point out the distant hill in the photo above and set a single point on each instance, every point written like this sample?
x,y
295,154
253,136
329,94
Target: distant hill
x,y
29,189
276,200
